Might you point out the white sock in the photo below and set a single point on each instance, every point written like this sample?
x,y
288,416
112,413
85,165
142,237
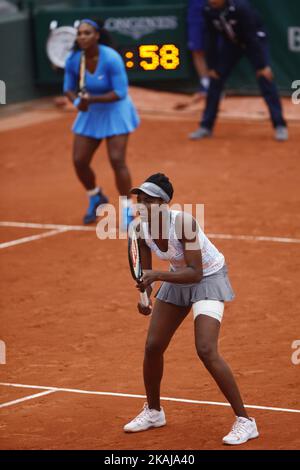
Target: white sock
x,y
126,202
93,192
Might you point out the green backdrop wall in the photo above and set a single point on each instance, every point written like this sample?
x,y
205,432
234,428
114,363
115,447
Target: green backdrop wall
x,y
17,58
18,68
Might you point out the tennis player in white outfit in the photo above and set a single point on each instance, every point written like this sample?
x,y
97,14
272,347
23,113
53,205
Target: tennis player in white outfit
x,y
197,280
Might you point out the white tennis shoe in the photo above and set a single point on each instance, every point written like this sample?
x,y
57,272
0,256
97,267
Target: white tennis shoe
x,y
242,430
146,419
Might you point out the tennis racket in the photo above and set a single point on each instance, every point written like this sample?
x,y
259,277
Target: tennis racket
x,y
82,68
134,257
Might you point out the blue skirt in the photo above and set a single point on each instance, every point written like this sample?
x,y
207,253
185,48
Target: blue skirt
x,y
107,119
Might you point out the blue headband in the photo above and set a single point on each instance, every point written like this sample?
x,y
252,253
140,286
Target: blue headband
x,y
91,22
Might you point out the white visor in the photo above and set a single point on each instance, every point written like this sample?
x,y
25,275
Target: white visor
x,y
151,189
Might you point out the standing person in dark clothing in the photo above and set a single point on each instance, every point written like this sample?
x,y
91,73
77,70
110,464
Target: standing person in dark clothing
x,y
242,34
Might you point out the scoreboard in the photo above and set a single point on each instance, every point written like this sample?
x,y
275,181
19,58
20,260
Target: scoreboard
x,y
145,57
151,40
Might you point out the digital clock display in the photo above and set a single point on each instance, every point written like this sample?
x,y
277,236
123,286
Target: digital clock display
x,y
150,38
151,57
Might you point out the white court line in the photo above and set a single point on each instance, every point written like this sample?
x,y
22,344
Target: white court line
x,y
130,395
29,397
19,241
256,238
222,236
49,226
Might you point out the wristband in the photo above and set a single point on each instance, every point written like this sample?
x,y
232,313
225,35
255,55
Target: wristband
x,y
76,102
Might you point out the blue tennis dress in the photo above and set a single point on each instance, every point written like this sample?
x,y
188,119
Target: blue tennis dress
x,y
103,119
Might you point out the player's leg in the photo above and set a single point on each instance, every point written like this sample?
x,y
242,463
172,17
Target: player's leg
x,y
116,148
271,96
206,337
84,149
228,56
165,320
207,328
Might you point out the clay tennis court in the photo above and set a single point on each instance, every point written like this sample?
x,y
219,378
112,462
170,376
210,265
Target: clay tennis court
x,y
74,340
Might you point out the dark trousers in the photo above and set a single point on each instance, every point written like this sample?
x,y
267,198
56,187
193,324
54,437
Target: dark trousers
x,y
229,55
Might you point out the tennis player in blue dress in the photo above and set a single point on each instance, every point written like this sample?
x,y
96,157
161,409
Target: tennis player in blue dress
x,y
105,112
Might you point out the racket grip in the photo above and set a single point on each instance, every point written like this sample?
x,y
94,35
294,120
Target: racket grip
x,y
144,299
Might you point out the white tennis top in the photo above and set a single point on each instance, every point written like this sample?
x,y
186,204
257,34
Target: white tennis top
x,y
212,259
